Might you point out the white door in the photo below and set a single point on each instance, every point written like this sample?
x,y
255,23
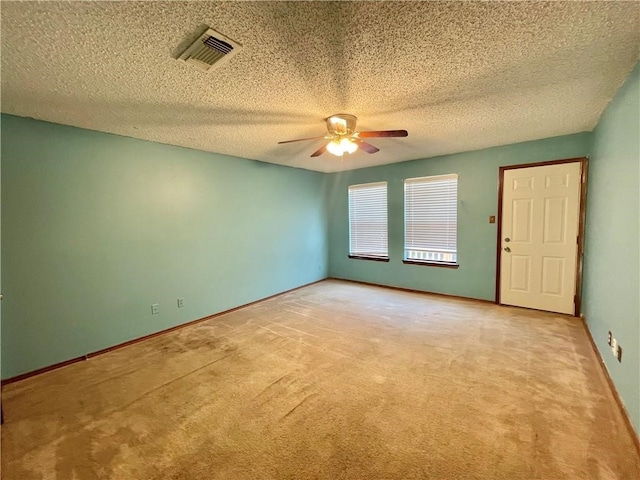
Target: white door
x,y
540,217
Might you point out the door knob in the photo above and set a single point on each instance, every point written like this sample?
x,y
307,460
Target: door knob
x,y
507,249
507,239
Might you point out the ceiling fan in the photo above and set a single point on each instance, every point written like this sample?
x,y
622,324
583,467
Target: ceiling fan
x,y
343,137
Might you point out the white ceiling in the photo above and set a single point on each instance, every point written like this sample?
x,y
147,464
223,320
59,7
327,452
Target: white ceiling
x,y
458,76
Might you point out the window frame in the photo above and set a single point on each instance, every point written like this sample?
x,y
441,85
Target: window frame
x,y
361,255
430,262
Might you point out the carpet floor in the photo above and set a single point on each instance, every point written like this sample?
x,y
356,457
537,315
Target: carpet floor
x,y
336,380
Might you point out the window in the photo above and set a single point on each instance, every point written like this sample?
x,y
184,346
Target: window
x,y
430,219
368,221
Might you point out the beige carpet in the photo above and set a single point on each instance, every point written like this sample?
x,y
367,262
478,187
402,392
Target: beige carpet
x,y
334,381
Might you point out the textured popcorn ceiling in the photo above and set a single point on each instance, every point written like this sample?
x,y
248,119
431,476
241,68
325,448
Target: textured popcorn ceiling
x,y
458,76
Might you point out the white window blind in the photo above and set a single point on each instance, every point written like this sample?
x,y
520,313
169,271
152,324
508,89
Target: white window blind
x,y
430,218
368,220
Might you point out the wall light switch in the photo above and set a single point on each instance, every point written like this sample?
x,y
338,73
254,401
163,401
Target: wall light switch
x,y
492,219
155,309
180,302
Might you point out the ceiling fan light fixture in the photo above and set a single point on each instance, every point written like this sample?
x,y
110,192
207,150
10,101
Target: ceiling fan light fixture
x,y
335,148
343,137
340,146
348,146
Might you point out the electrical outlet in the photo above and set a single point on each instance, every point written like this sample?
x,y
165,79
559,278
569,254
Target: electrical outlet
x,y
619,354
155,309
180,302
614,347
609,338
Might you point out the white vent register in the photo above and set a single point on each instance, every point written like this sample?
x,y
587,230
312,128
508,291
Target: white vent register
x,y
211,48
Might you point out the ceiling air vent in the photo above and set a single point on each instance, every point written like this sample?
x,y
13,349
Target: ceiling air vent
x,y
211,48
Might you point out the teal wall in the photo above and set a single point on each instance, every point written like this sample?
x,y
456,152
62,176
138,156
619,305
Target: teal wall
x,y
97,227
612,240
477,200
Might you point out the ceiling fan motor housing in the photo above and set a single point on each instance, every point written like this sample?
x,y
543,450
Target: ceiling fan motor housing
x,y
341,124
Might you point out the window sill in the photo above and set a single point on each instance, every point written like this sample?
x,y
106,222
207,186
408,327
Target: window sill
x,y
375,259
431,264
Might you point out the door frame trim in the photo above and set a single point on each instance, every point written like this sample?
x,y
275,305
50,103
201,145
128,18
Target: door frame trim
x,y
584,163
